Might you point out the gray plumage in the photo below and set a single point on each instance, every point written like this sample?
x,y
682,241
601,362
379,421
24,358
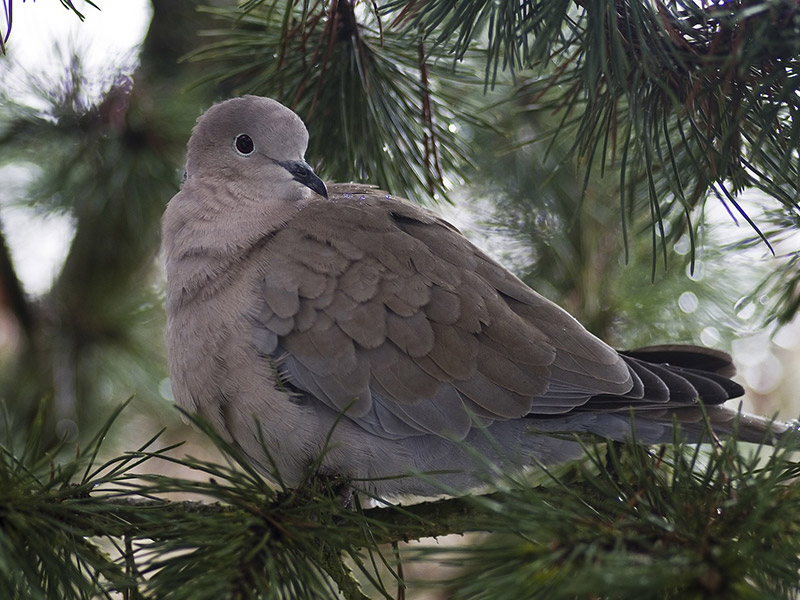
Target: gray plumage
x,y
289,304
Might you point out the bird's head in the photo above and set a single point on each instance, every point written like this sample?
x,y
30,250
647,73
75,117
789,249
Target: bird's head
x,y
258,144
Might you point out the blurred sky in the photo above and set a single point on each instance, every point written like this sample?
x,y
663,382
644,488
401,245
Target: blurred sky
x,y
115,29
42,35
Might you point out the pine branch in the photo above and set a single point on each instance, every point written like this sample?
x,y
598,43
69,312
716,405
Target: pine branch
x,y
396,523
379,106
693,100
628,522
11,292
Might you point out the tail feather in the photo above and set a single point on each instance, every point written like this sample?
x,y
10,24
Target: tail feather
x,y
653,389
656,426
696,374
728,421
669,384
680,389
707,360
722,385
690,373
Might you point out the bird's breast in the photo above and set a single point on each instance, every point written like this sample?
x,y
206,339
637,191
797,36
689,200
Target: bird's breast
x,y
208,308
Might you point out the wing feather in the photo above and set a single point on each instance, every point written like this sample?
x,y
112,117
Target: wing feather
x,y
376,306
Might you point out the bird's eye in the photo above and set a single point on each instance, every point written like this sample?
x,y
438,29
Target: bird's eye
x,y
244,144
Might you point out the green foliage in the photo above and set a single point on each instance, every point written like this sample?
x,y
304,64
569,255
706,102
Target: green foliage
x,y
568,245
641,523
679,101
47,513
630,523
377,104
778,294
110,165
691,99
107,150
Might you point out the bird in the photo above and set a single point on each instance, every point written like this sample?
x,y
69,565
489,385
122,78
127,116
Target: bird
x,y
340,328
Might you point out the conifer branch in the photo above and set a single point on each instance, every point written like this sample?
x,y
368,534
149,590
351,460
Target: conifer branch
x,y
615,517
356,85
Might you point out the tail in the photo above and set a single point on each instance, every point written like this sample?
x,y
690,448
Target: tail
x,y
680,384
727,421
694,424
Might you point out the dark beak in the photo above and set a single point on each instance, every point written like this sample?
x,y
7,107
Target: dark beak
x,y
302,172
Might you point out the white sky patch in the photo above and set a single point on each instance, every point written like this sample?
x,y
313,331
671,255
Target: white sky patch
x,y
42,36
112,31
39,244
38,240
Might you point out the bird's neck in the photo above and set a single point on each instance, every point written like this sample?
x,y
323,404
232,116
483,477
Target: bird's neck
x,y
208,230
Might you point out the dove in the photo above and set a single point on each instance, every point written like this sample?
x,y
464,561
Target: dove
x,y
338,327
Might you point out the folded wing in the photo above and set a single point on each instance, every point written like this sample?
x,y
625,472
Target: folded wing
x,y
376,307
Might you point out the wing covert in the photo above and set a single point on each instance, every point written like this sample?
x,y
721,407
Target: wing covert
x,y
375,306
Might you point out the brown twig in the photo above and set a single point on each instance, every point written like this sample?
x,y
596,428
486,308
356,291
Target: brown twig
x,y
432,164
